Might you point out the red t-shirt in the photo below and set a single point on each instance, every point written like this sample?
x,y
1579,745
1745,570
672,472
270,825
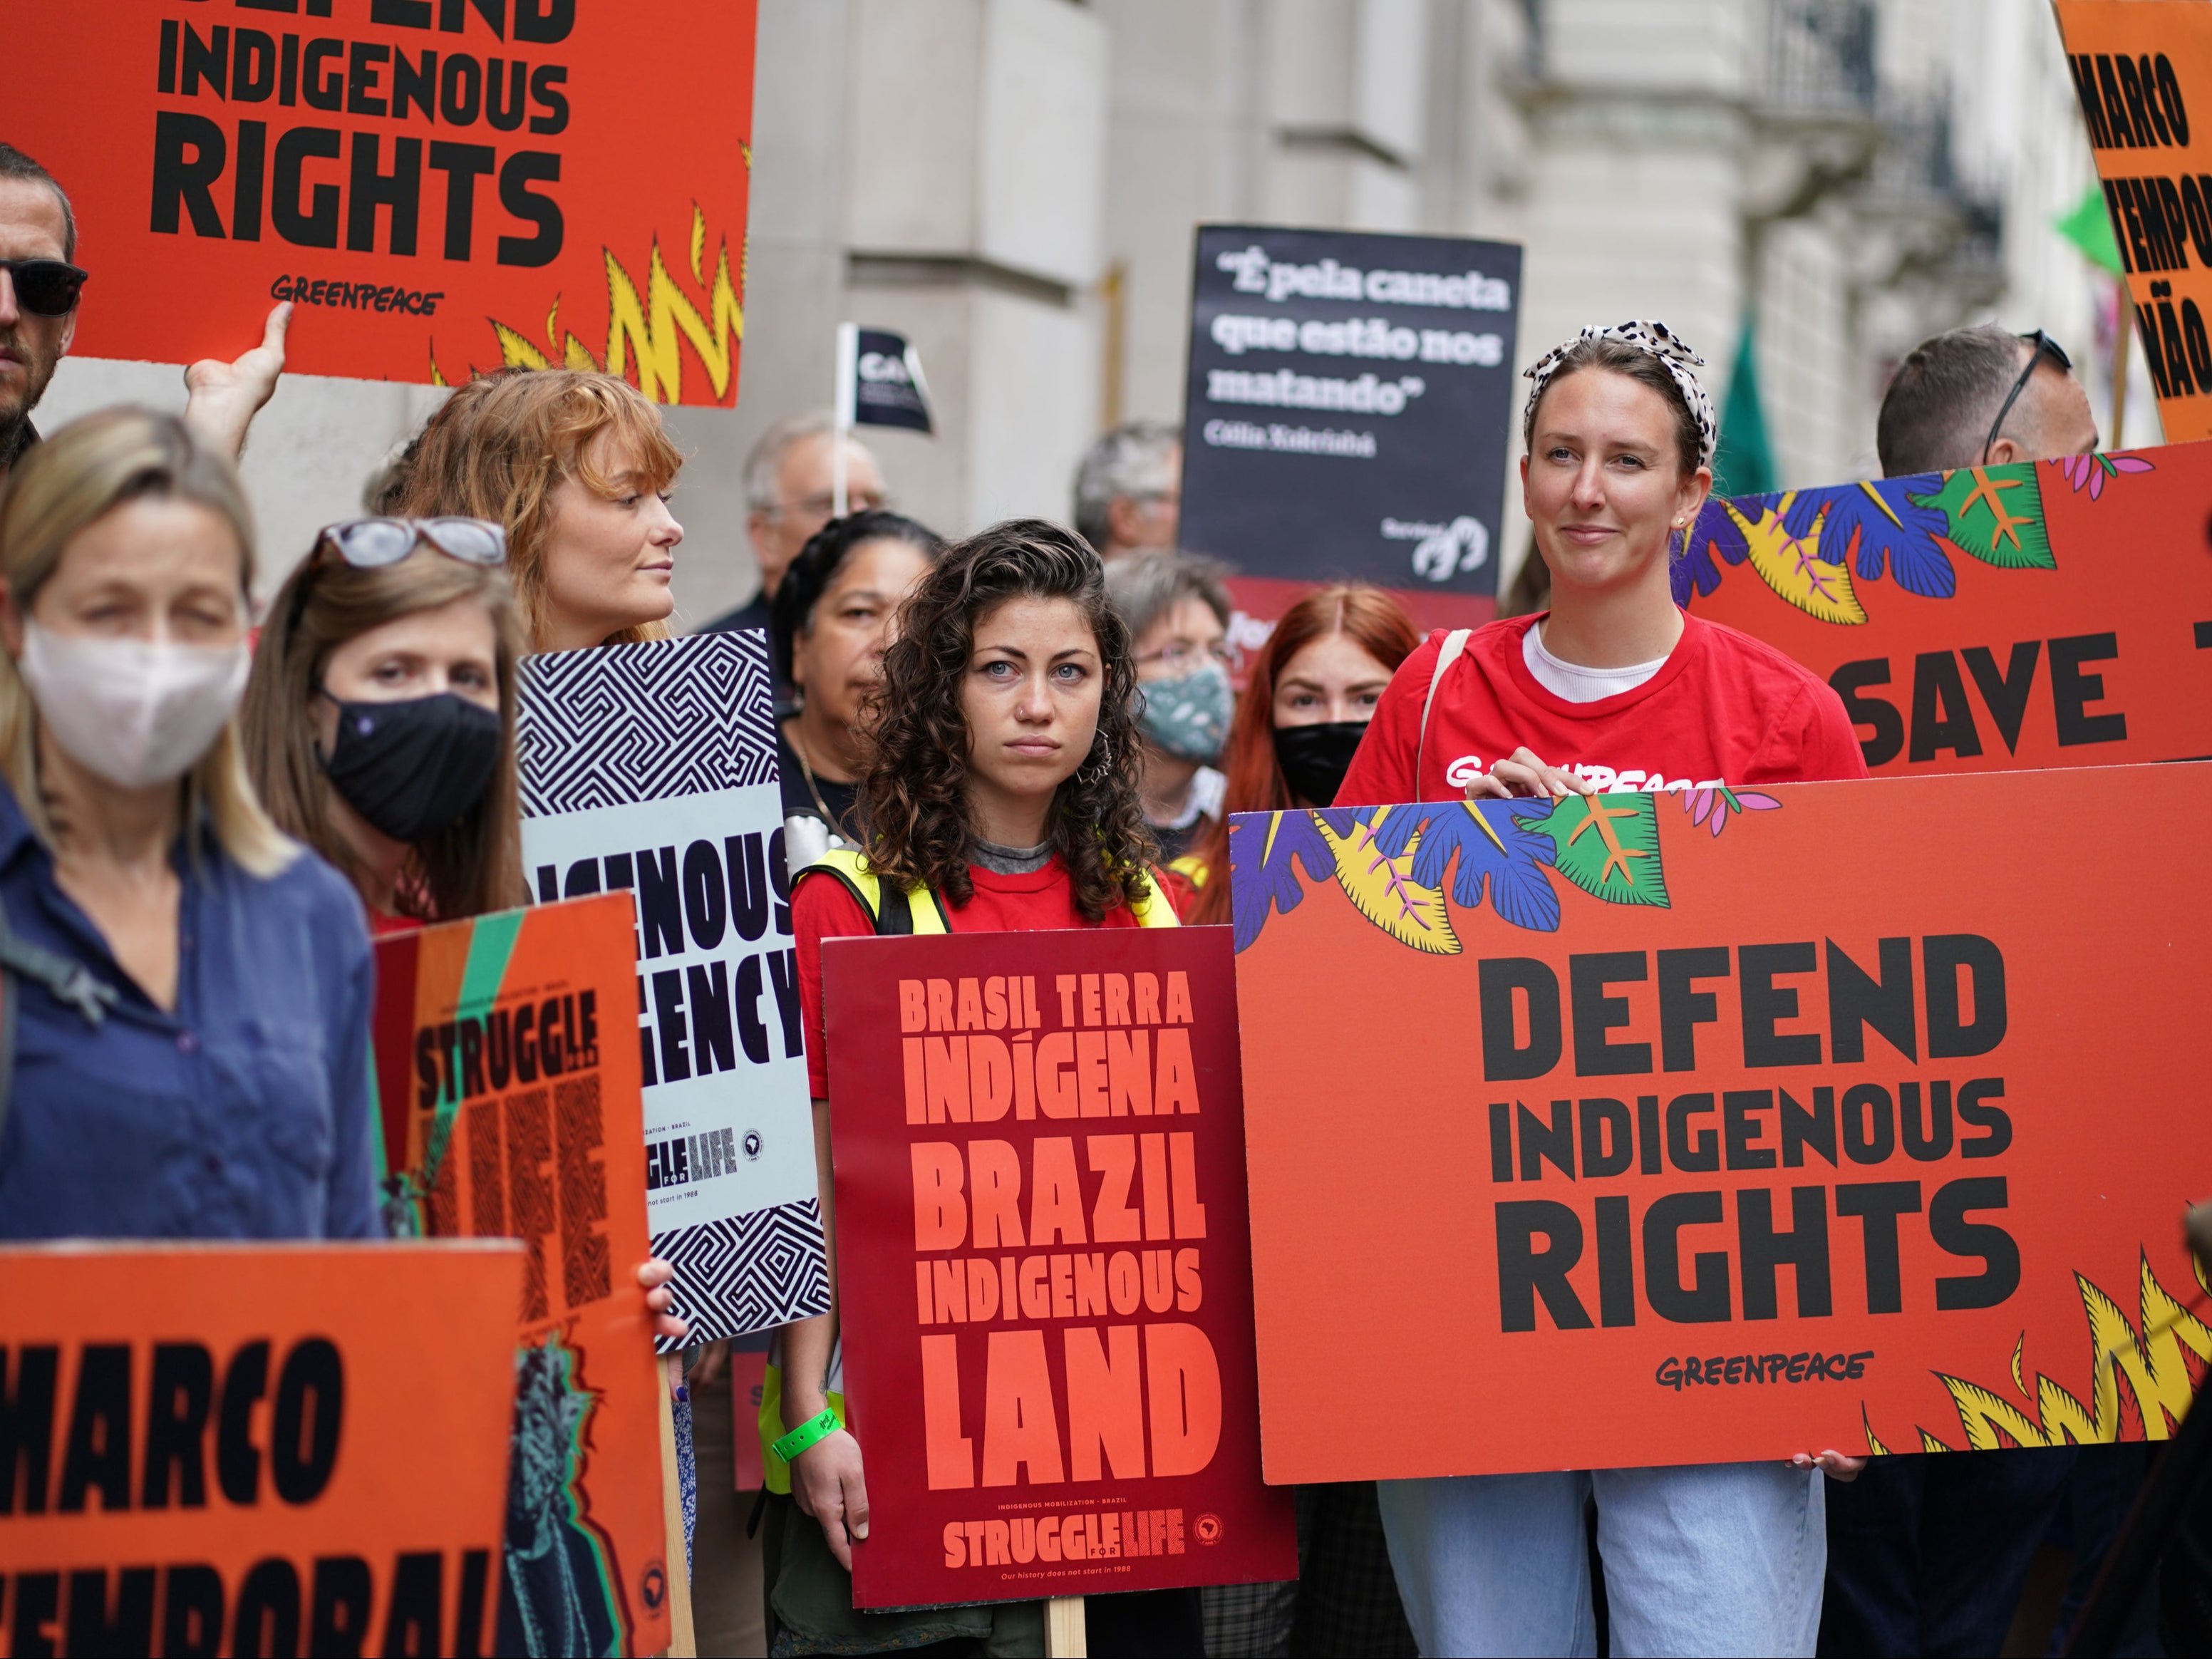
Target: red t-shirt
x,y
822,906
1723,708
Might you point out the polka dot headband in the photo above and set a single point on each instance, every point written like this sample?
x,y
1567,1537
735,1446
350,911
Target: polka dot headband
x,y
1654,339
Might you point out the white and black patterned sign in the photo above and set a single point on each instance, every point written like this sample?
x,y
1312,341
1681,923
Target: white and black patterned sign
x,y
652,767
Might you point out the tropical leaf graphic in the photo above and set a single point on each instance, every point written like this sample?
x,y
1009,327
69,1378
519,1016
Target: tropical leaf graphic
x,y
1712,806
1875,523
1492,846
1794,567
1717,536
1995,514
1383,888
1606,844
2091,471
1262,878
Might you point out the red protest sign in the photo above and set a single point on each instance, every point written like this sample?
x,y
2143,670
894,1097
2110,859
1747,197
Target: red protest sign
x,y
2057,613
1044,1269
1729,1125
439,187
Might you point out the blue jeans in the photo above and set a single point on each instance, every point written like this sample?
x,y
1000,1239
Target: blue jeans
x,y
1705,1558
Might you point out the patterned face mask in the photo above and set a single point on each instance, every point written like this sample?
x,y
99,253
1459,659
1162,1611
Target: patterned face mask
x,y
1188,717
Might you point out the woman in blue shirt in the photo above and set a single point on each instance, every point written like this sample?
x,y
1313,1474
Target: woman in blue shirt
x,y
212,1082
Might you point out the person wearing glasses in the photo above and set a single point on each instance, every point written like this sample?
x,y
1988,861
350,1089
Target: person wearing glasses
x,y
1176,611
192,990
575,467
1982,397
40,289
1931,1554
790,494
380,716
1128,489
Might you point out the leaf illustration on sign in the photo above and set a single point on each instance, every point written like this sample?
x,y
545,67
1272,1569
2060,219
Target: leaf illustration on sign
x,y
1608,845
1995,514
1795,565
1262,853
1383,888
1492,846
1877,523
1711,805
1717,535
2092,471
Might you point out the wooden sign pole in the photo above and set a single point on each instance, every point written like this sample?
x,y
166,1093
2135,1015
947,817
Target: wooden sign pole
x,y
1065,1637
683,1641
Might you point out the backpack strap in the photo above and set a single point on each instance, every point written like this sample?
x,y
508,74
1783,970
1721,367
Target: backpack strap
x,y
1446,654
71,982
890,907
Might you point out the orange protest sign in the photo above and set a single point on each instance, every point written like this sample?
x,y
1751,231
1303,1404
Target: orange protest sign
x,y
2051,614
1653,1129
2141,69
253,1448
507,1071
440,186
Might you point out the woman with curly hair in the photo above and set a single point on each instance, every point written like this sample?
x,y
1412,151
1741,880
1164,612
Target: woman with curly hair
x,y
1003,793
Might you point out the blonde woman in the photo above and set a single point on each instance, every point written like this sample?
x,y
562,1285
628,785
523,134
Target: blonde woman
x,y
380,719
190,1055
576,468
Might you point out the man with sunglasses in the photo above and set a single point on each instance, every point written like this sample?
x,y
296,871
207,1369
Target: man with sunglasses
x,y
40,285
1982,397
1929,1555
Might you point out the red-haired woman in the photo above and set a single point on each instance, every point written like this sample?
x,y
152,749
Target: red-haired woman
x,y
1313,689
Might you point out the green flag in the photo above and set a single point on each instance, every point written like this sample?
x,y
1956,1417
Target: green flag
x,y
1744,465
2089,228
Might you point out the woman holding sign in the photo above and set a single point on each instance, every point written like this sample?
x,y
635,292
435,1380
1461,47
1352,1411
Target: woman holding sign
x,y
190,992
1614,688
380,719
576,468
1004,793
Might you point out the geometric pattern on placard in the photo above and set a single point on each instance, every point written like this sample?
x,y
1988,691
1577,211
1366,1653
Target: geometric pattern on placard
x,y
748,1273
628,723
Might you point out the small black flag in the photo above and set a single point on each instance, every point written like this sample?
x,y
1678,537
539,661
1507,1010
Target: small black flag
x,y
879,380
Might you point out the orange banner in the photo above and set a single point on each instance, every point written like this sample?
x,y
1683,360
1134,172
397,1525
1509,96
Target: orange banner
x,y
2142,70
2051,614
507,1067
440,186
253,1448
1648,1129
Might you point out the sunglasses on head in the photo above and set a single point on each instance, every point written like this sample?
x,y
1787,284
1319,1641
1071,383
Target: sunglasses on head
x,y
374,544
46,288
2045,347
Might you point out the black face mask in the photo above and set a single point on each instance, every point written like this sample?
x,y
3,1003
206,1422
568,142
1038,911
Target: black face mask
x,y
1315,758
413,768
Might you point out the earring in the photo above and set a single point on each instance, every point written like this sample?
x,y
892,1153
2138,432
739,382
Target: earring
x,y
1091,774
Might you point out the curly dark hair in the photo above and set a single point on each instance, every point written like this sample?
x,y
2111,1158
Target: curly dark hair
x,y
915,796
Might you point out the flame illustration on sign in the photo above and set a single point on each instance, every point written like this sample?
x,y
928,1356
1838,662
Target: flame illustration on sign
x,y
2151,1360
647,326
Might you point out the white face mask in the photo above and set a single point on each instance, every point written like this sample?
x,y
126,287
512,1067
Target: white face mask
x,y
137,713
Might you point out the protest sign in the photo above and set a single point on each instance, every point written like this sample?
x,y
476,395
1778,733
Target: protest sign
x,y
1347,413
1728,1125
2138,69
2073,596
508,1097
1043,1265
438,187
253,1448
652,767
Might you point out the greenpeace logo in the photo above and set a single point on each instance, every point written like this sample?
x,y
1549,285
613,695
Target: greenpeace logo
x,y
1327,279
1603,779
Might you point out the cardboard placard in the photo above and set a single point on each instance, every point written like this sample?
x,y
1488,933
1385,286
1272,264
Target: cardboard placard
x,y
439,187
1348,409
1730,1125
1043,1265
2057,613
509,1089
254,1448
652,767
2142,70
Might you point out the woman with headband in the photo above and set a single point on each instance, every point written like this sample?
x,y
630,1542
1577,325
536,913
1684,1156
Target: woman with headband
x,y
1614,687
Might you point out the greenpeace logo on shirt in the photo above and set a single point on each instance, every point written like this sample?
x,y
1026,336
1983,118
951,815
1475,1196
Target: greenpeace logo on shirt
x,y
1603,779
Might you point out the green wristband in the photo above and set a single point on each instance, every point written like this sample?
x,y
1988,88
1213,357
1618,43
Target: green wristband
x,y
805,1435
